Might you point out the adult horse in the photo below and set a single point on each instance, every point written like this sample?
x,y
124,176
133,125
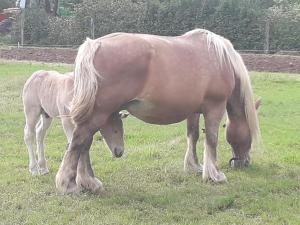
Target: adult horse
x,y
160,80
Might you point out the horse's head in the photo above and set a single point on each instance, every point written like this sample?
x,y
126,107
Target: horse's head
x,y
239,137
113,132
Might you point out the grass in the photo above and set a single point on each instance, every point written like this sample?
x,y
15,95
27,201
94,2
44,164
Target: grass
x,y
147,185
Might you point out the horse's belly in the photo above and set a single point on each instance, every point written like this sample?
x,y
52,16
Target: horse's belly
x,y
156,114
50,108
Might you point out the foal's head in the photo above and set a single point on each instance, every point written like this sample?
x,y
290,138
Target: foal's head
x,y
239,137
113,132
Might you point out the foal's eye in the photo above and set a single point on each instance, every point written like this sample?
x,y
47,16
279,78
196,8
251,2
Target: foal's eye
x,y
115,131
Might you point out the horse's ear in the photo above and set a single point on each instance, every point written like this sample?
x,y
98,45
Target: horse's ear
x,y
123,114
257,103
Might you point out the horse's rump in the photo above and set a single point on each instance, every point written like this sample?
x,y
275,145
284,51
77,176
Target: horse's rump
x,y
50,91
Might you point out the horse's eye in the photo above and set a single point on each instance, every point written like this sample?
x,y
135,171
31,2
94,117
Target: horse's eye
x,y
115,131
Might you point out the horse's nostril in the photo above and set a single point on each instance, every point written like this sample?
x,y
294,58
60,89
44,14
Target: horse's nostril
x,y
118,152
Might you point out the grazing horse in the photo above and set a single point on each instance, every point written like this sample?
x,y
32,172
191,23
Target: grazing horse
x,y
160,80
48,94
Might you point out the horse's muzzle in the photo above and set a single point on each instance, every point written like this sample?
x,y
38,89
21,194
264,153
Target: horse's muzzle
x,y
238,163
118,152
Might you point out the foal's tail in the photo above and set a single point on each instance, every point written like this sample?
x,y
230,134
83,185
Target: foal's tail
x,y
225,50
86,79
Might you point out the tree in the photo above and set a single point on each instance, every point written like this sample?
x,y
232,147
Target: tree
x,y
6,4
50,6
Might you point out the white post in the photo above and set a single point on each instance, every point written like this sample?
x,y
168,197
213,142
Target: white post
x,y
267,36
22,7
22,26
92,28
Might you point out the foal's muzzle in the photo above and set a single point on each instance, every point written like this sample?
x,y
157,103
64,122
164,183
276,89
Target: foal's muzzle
x,y
118,152
238,163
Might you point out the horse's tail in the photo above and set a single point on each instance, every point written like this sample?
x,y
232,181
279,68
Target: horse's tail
x,y
225,50
86,79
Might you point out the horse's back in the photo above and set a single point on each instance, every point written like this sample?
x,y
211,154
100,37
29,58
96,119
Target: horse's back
x,y
48,90
162,76
32,86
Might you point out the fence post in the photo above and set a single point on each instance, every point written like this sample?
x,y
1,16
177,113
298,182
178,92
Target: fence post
x,y
92,28
22,26
267,37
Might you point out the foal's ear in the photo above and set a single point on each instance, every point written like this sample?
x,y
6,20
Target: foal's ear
x,y
123,114
257,103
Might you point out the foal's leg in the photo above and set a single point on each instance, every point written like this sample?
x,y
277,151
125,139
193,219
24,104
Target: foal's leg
x,y
32,117
191,160
68,127
41,130
213,117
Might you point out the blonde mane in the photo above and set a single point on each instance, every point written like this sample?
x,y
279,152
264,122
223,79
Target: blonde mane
x,y
225,51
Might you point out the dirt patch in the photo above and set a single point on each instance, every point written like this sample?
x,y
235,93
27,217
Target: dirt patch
x,y
254,62
272,63
55,55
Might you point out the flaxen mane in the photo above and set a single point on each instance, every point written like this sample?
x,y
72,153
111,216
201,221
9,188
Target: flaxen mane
x,y
224,50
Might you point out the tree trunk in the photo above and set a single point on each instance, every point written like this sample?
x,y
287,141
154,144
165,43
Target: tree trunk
x,y
55,8
28,4
51,10
48,6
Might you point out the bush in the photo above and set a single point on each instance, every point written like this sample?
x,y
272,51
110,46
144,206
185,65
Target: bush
x,y
241,21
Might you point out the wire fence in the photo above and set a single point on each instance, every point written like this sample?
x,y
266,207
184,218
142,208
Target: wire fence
x,y
243,51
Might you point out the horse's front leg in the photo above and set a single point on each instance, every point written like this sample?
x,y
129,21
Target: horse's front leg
x,y
80,144
213,116
41,130
85,176
191,160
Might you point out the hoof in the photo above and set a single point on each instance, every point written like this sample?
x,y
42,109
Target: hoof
x,y
221,178
43,171
214,176
194,169
66,185
90,183
34,170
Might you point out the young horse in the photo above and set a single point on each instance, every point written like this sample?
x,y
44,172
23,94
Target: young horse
x,y
47,94
160,80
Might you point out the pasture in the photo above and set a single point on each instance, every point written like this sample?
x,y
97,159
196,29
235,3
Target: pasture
x,y
147,185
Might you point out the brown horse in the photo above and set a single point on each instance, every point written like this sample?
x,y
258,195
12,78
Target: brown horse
x,y
160,80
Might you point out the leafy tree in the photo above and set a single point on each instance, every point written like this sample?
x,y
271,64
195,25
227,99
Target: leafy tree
x,y
241,21
4,4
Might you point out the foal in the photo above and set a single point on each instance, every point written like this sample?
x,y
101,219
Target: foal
x,y
47,94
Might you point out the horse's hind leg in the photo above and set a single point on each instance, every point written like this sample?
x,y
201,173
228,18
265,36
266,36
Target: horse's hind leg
x,y
32,117
213,116
41,130
191,160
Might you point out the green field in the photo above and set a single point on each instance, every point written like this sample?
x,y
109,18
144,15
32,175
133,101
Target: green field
x,y
147,185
